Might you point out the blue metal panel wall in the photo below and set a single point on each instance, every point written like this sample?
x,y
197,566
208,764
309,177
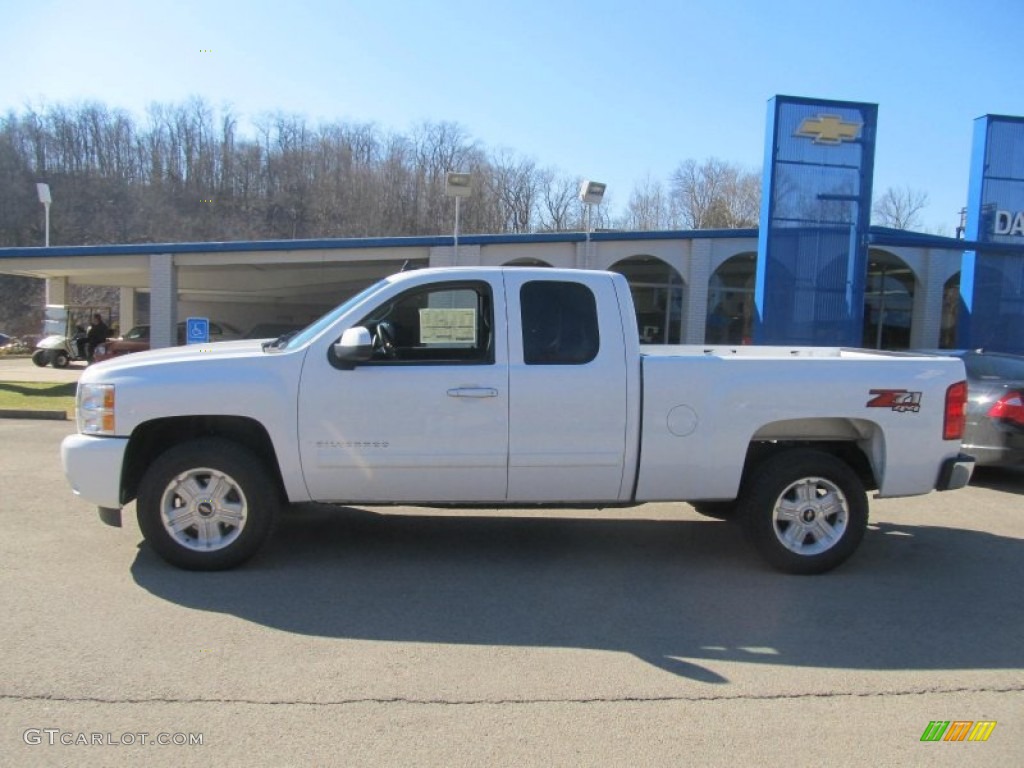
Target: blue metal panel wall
x,y
992,280
815,213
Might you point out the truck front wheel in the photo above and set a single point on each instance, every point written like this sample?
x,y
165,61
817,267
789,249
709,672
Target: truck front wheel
x,y
207,505
805,511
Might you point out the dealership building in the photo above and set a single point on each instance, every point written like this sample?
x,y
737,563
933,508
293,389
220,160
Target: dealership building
x,y
689,287
813,272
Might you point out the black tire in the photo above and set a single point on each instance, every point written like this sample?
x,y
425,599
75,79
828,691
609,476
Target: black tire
x,y
61,359
719,510
41,357
805,511
233,511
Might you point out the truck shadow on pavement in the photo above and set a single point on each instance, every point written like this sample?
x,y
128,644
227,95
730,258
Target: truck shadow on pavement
x,y
677,594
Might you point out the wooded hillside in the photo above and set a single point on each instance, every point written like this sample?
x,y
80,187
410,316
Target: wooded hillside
x,y
189,173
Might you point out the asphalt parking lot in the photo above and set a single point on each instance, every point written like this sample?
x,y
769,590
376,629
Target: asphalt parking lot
x,y
414,637
23,369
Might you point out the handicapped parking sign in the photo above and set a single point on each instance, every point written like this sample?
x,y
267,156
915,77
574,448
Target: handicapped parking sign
x,y
197,330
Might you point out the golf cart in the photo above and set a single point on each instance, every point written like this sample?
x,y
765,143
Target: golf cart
x,y
64,329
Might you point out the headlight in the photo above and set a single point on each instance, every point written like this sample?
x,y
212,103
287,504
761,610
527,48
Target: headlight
x,y
95,409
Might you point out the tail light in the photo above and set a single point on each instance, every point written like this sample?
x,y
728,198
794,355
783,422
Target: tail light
x,y
956,411
1010,407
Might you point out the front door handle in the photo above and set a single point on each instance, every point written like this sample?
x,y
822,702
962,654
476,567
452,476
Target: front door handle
x,y
473,392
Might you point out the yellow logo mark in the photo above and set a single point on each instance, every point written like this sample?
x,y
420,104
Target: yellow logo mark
x,y
828,129
982,730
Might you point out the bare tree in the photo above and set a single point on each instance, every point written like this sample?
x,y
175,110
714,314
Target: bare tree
x,y
558,209
19,219
899,208
438,148
514,189
715,195
648,208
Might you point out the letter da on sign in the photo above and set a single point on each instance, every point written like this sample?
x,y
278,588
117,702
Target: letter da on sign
x,y
1009,223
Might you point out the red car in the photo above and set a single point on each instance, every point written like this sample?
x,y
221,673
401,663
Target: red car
x,y
137,340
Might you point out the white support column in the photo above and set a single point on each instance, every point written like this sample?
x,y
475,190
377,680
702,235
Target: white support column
x,y
581,255
926,317
697,274
444,256
56,290
126,310
163,300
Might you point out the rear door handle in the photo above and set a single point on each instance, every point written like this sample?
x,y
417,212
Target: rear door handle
x,y
473,392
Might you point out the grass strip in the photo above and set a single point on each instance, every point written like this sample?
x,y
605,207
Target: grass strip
x,y
38,396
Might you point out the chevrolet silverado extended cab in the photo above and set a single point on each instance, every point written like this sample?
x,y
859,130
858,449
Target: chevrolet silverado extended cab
x,y
509,386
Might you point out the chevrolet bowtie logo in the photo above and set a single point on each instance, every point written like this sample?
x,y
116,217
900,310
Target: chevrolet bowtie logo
x,y
828,129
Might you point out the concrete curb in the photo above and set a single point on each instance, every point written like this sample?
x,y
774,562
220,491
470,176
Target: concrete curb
x,y
14,413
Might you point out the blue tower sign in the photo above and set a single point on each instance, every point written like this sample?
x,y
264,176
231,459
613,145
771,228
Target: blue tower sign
x,y
815,213
992,277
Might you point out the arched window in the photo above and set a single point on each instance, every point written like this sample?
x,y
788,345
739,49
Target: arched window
x,y
950,312
731,301
888,302
657,290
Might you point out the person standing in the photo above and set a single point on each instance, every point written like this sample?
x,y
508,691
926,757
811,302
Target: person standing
x,y
96,335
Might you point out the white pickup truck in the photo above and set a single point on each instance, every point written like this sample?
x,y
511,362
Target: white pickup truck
x,y
509,386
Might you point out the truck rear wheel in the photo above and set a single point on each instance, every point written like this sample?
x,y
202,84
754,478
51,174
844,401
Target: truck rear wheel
x,y
207,505
805,511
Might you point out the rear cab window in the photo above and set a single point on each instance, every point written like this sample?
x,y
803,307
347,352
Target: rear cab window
x,y
559,322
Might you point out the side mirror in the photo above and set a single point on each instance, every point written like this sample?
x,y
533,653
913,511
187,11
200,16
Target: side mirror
x,y
354,347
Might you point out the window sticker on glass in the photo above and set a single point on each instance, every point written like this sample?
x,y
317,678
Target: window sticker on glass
x,y
447,326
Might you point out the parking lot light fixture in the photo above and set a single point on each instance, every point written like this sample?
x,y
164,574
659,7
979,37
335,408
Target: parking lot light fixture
x,y
43,190
457,185
591,194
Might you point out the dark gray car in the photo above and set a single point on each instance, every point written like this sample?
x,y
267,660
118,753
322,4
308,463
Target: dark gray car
x,y
995,408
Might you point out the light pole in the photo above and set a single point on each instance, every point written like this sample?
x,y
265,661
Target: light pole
x,y
43,190
457,185
963,224
591,194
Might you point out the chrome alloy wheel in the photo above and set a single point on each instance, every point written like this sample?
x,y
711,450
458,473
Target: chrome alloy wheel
x,y
810,516
203,509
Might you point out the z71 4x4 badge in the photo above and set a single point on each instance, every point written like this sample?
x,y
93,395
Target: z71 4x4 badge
x,y
899,400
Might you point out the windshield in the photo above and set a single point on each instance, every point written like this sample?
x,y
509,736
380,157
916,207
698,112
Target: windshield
x,y
311,331
55,322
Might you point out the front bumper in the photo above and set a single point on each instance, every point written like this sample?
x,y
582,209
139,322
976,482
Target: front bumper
x,y
955,473
93,467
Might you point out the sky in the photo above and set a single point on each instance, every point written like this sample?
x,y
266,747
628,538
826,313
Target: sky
x,y
617,92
